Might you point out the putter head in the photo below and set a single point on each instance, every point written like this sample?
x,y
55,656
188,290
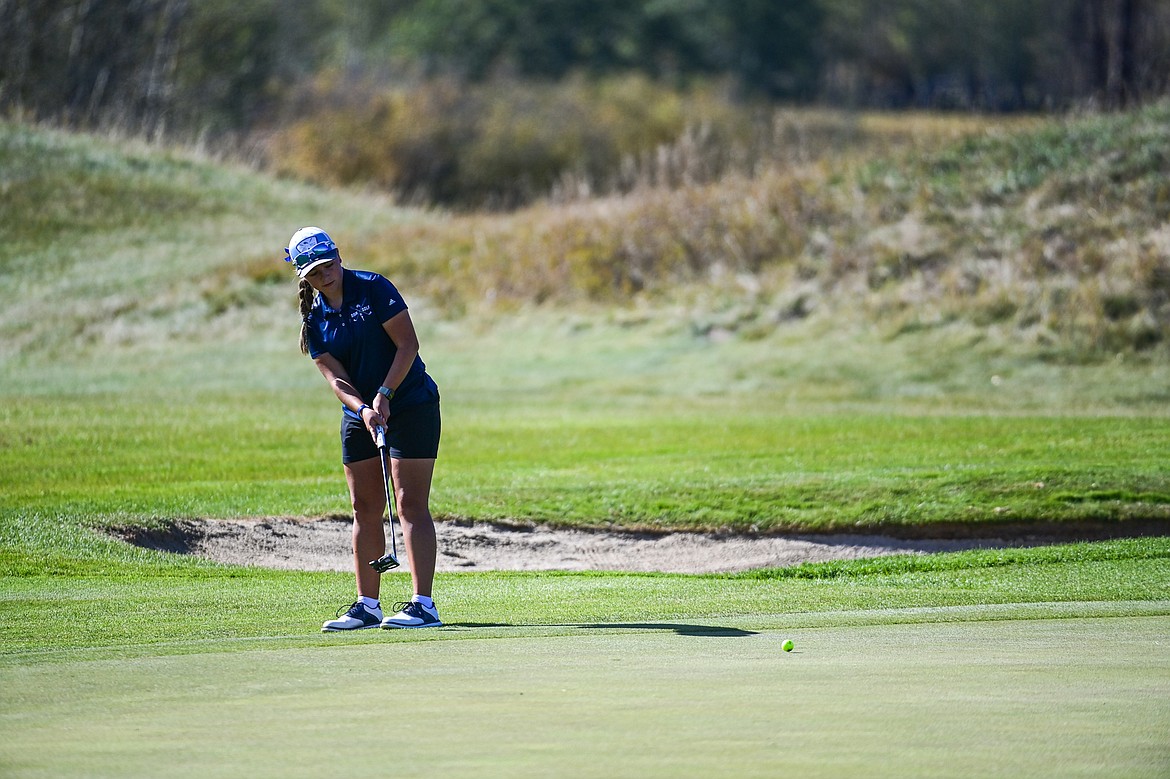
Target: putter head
x,y
384,563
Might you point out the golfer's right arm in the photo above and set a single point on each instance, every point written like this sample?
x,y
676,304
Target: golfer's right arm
x,y
343,388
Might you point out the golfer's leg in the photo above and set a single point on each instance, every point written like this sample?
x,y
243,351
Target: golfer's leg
x,y
367,493
412,483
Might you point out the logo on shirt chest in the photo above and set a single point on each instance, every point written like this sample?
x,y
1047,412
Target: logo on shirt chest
x,y
361,312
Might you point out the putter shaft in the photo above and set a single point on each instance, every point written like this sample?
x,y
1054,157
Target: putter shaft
x,y
389,560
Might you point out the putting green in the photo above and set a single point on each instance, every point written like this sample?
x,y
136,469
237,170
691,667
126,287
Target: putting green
x,y
1049,697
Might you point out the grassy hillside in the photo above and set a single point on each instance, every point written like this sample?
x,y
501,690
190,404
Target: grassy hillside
x,y
1053,236
113,243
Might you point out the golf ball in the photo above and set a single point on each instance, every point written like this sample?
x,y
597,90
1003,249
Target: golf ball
x,y
787,645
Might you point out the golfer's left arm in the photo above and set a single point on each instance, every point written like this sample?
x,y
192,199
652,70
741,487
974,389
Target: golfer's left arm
x,y
400,328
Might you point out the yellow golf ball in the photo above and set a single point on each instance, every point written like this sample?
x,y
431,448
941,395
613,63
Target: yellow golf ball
x,y
787,645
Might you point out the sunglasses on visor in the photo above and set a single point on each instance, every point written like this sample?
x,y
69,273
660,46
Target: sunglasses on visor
x,y
318,252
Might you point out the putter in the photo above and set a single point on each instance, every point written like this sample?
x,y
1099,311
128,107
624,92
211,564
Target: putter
x,y
389,560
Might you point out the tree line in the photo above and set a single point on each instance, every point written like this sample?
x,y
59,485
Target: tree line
x,y
222,66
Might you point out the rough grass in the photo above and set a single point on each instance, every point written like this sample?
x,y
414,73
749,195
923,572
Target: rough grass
x,y
111,242
1052,234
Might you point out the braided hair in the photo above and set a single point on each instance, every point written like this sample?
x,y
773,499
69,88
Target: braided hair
x,y
305,290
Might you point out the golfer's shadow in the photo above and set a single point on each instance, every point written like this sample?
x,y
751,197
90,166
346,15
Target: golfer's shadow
x,y
701,631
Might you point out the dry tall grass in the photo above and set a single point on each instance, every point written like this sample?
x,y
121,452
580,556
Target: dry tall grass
x,y
1054,233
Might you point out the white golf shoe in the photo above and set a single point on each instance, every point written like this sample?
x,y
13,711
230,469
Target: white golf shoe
x,y
413,615
358,617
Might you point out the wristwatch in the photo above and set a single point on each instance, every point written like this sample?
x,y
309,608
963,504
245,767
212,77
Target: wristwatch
x,y
389,393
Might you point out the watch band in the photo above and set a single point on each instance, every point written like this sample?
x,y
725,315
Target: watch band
x,y
389,393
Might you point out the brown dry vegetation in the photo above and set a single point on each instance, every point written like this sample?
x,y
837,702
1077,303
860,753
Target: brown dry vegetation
x,y
1055,233
506,143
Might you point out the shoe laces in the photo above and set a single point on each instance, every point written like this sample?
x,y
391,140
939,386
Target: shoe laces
x,y
413,608
356,605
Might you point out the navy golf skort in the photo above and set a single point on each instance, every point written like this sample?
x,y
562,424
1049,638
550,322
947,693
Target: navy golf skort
x,y
411,434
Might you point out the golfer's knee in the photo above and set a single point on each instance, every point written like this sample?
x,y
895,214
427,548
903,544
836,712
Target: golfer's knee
x,y
367,509
413,508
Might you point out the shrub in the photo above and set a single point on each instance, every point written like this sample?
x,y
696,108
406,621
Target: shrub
x,y
507,143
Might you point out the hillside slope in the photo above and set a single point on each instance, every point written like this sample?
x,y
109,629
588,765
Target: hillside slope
x,y
111,242
1057,237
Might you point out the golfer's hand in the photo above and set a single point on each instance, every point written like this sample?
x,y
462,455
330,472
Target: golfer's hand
x,y
382,406
373,418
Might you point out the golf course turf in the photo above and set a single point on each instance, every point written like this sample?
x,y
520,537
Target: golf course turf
x,y
1059,696
170,387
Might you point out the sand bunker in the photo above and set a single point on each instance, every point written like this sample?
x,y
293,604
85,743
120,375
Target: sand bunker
x,y
324,545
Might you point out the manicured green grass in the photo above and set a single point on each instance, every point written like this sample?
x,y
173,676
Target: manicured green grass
x,y
1031,697
129,602
580,422
702,465
1037,662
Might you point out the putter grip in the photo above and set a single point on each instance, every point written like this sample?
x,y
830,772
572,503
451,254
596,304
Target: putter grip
x,y
380,437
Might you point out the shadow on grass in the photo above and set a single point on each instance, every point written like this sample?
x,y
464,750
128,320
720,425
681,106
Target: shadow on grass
x,y
705,631
702,631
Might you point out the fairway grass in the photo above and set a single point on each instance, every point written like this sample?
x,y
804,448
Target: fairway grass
x,y
1059,697
151,603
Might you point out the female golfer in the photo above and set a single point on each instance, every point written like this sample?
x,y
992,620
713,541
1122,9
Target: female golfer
x,y
358,331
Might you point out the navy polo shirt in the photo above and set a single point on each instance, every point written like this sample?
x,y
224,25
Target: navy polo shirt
x,y
354,335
